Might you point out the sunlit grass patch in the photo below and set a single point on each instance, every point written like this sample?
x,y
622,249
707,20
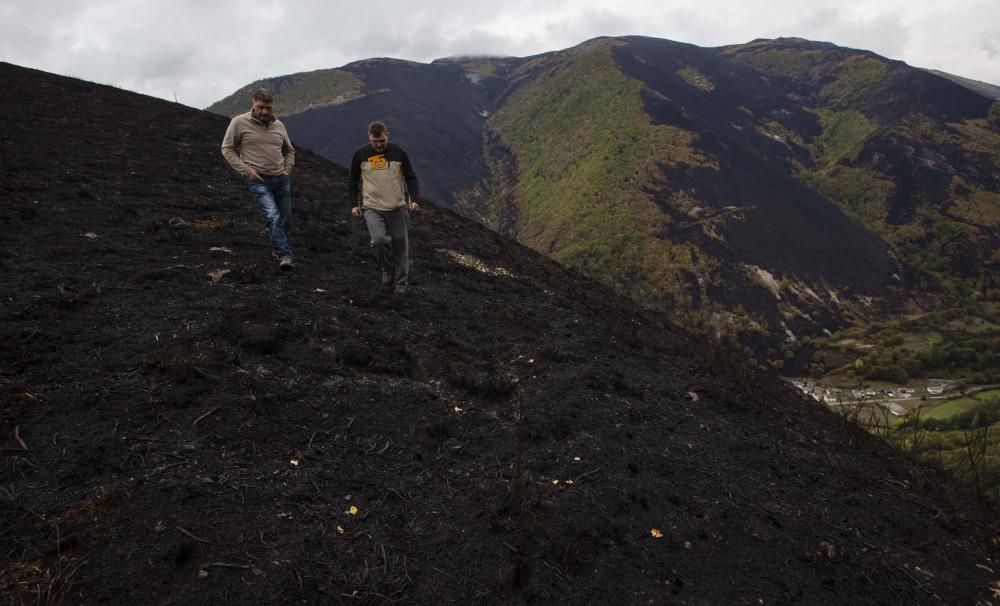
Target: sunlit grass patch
x,y
951,408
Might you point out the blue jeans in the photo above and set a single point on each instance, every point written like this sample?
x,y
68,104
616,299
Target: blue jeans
x,y
273,196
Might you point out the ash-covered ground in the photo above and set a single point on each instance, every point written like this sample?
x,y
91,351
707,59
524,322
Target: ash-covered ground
x,y
182,423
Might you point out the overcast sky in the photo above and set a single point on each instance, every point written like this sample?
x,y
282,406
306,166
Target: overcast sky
x,y
200,51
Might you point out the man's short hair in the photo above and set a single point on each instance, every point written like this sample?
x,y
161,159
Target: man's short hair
x,y
263,95
377,128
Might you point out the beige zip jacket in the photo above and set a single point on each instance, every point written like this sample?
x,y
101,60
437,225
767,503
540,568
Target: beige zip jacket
x,y
266,148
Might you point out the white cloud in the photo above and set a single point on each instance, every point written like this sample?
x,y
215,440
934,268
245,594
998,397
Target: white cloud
x,y
202,51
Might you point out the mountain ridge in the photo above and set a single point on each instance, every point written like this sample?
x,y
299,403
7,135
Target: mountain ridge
x,y
889,153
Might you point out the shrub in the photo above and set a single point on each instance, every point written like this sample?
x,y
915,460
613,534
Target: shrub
x,y
994,114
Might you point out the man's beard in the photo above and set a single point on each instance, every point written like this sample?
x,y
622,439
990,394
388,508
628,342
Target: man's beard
x,y
265,119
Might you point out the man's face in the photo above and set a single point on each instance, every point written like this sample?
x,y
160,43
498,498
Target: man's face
x,y
380,141
262,111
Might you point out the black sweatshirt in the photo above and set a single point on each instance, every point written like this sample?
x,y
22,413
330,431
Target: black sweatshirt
x,y
385,178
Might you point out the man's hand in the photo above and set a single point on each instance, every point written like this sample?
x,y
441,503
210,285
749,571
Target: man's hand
x,y
412,206
356,211
253,176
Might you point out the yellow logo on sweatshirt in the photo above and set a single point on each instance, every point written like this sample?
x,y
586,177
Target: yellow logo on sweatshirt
x,y
378,162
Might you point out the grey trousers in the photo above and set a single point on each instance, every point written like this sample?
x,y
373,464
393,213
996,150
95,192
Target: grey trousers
x,y
389,232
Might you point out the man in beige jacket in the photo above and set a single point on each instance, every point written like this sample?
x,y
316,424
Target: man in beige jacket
x,y
257,146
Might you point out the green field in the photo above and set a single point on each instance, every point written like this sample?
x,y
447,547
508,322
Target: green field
x,y
920,342
974,325
990,396
958,406
951,408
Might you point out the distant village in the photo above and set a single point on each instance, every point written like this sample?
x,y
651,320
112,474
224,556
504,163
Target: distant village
x,y
899,401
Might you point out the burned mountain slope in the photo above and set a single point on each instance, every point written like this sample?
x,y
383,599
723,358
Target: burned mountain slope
x,y
434,111
183,424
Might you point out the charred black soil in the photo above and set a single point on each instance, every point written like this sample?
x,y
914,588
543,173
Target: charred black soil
x,y
184,424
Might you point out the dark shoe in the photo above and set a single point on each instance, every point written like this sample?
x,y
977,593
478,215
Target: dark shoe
x,y
286,263
400,289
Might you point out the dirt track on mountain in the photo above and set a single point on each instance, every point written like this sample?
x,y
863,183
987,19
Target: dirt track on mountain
x,y
184,424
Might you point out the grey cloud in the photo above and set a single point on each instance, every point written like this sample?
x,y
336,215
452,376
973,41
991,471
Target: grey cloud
x,y
478,42
683,25
990,44
820,19
591,23
202,51
884,34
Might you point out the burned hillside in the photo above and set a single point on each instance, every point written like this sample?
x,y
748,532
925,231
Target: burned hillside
x,y
181,423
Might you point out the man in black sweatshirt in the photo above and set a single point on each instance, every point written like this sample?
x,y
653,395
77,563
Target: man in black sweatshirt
x,y
382,174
